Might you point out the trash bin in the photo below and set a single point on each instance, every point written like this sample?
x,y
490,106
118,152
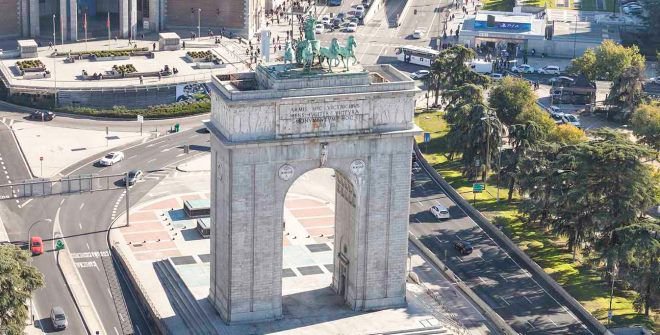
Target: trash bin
x,y
176,128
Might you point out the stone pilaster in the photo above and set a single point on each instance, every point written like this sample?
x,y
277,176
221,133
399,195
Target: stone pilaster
x,y
154,15
133,18
25,18
124,27
34,18
73,20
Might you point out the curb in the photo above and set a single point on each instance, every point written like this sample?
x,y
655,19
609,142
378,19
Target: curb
x,y
404,12
20,149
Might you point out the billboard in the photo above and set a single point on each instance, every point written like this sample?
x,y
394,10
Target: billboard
x,y
191,91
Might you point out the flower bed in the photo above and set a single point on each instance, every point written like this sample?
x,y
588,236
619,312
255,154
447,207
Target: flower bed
x,y
124,69
32,65
103,53
201,57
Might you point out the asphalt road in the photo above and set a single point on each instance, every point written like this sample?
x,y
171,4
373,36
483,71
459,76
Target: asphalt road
x,y
83,220
504,285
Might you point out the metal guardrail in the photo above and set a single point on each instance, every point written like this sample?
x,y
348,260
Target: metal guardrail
x,y
42,187
542,278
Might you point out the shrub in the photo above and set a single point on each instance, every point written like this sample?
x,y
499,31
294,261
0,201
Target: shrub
x,y
125,52
178,109
535,245
30,64
123,69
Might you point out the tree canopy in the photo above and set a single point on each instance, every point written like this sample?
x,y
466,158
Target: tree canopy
x,y
566,134
607,61
18,280
511,97
645,124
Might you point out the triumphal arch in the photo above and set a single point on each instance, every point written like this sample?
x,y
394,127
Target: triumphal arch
x,y
274,124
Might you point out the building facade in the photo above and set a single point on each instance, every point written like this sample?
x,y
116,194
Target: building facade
x,y
70,20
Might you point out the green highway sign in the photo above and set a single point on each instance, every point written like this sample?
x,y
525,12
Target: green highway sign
x,y
59,245
478,187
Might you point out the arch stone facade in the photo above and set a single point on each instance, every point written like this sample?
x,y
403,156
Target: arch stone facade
x,y
271,126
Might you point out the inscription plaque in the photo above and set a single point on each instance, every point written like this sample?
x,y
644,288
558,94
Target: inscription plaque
x,y
323,117
285,172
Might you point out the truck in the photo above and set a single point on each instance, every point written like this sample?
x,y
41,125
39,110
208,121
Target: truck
x,y
479,66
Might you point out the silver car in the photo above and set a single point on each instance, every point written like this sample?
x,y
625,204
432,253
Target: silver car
x,y
58,317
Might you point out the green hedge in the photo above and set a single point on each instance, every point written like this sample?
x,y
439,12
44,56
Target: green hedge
x,y
127,68
30,64
152,112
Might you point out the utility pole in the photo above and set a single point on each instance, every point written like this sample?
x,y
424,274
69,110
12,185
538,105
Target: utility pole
x,y
54,42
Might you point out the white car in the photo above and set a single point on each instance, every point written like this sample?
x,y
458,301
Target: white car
x,y
572,119
554,110
421,74
351,27
319,29
325,19
549,69
524,68
654,80
58,318
359,8
112,158
440,212
496,76
417,34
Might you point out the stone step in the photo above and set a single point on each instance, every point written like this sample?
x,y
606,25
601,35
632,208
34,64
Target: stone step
x,y
185,303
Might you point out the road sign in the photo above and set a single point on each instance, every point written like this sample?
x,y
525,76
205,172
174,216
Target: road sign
x,y
609,315
140,118
59,245
477,163
427,137
478,187
41,158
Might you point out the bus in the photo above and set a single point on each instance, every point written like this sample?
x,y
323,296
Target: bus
x,y
416,55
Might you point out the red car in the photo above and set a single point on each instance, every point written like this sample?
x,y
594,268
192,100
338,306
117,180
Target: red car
x,y
36,245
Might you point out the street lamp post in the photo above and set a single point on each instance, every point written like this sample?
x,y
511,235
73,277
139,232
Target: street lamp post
x,y
54,43
33,224
199,27
575,35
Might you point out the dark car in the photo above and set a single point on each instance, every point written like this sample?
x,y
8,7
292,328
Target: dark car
x,y
341,16
133,177
465,248
42,115
336,23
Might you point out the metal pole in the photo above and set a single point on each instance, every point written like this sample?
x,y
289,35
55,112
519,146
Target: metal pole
x,y
54,42
199,28
487,151
128,203
499,168
609,313
33,224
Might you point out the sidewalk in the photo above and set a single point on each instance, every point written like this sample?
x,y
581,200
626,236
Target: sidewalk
x,y
48,150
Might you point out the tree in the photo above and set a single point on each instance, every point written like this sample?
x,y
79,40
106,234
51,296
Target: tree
x,y
538,116
449,71
607,61
511,97
18,280
588,188
523,138
645,124
567,134
626,91
634,252
652,21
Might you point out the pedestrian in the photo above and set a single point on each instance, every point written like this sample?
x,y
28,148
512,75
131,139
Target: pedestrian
x,y
160,76
141,80
184,45
115,38
153,46
451,31
142,36
50,45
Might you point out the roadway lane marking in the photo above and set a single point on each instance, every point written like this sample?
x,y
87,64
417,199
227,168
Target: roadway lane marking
x,y
61,202
25,203
529,323
116,331
530,302
506,302
110,293
80,226
87,245
181,154
505,279
482,280
132,157
82,205
83,265
553,322
151,160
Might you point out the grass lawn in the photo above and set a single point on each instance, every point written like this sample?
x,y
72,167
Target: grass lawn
x,y
582,281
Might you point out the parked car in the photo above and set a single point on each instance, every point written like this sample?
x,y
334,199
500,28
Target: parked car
x,y
562,81
133,177
354,19
336,23
111,158
557,117
325,19
654,80
463,247
440,212
341,16
554,110
549,69
421,74
496,76
572,119
36,245
58,318
416,168
524,68
366,3
417,34
42,115
351,27
319,29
